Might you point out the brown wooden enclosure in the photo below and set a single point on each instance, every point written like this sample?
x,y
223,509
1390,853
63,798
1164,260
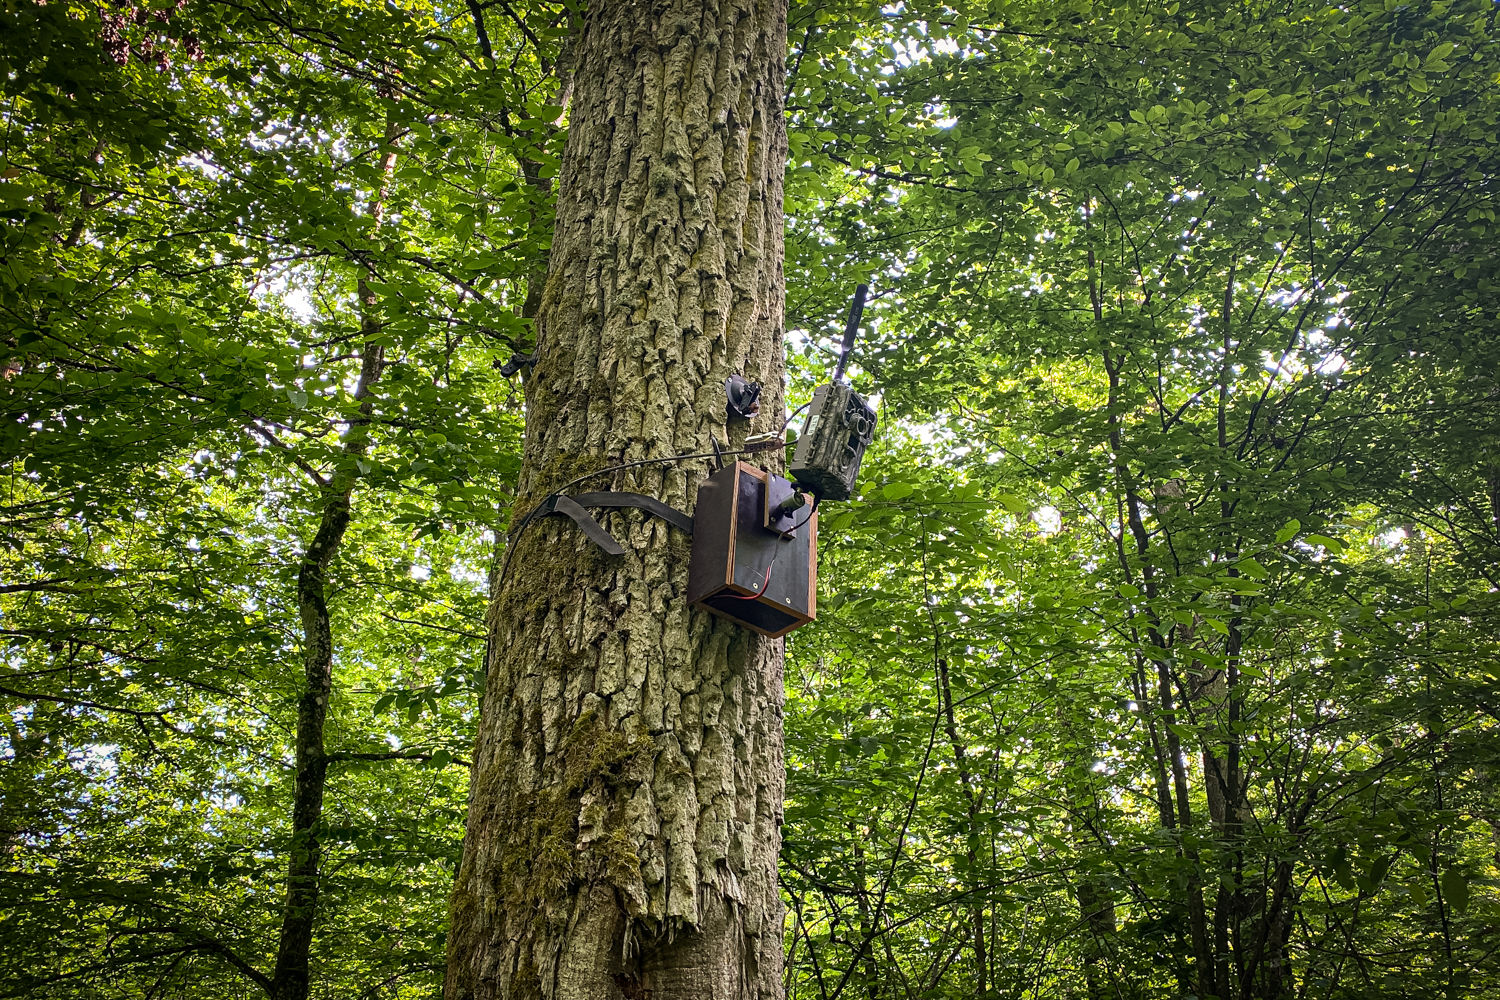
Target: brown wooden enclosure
x,y
764,578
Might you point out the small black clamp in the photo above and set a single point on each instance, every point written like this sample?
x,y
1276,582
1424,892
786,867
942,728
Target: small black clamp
x,y
518,362
743,397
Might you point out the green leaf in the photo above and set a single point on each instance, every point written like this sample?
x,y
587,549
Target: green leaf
x,y
1455,889
1333,545
1013,504
1288,531
1252,568
1438,54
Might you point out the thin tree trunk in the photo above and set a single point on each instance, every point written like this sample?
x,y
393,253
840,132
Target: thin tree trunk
x,y
627,785
291,978
1135,523
1221,792
1096,905
977,927
864,955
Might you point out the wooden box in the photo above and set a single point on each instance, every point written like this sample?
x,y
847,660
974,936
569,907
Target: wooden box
x,y
762,574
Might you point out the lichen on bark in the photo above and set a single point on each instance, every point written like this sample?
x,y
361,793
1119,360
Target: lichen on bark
x,y
626,802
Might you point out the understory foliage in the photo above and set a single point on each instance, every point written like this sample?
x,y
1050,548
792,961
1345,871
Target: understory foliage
x,y
1159,658
259,268
1156,657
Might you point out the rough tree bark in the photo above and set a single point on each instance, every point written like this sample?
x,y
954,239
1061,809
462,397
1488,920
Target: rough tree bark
x,y
627,783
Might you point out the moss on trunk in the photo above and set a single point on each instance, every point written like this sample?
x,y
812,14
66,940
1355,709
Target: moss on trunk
x,y
625,812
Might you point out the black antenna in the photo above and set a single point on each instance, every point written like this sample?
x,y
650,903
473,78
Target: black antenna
x,y
856,311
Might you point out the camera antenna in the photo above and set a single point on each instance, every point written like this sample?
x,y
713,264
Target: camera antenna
x,y
851,330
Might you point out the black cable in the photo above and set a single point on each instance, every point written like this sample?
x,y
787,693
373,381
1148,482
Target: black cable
x,y
788,421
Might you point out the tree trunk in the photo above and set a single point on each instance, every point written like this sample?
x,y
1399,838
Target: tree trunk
x,y
978,929
293,954
627,785
292,976
1131,509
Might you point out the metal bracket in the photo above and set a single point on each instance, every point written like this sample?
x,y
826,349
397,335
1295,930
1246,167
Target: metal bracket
x,y
518,362
743,397
782,500
573,507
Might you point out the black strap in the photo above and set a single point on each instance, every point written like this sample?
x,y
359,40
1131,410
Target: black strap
x,y
650,505
573,507
590,527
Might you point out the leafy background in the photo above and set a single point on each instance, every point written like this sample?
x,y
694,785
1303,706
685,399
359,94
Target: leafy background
x,y
1155,658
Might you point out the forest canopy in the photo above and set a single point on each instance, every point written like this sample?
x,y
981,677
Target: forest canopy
x,y
1156,655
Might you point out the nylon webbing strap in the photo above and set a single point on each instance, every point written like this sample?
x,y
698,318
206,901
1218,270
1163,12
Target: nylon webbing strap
x,y
573,507
589,526
650,505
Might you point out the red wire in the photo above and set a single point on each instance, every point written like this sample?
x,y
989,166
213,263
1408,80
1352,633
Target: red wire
x,y
762,591
765,584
